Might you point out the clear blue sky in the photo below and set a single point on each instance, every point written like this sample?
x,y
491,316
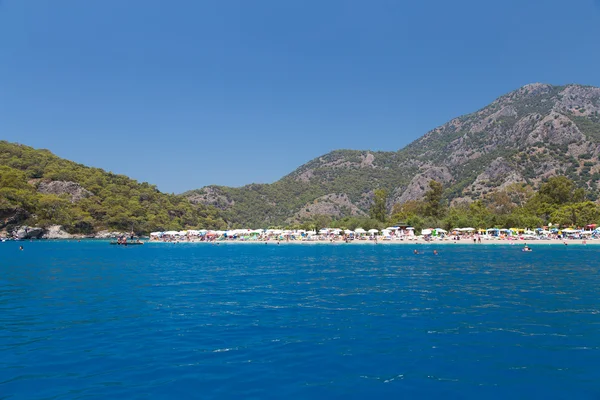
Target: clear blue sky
x,y
188,93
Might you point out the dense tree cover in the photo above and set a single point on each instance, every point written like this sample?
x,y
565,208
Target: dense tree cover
x,y
379,208
263,205
558,201
117,202
526,133
320,221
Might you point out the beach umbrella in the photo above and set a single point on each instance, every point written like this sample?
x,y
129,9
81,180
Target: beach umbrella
x,y
324,230
440,230
373,231
468,229
360,230
426,232
348,231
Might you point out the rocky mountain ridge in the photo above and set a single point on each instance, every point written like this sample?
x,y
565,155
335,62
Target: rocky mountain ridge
x,y
526,136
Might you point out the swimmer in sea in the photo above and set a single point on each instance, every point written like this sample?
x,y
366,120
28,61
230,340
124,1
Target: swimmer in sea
x,y
416,251
20,247
435,253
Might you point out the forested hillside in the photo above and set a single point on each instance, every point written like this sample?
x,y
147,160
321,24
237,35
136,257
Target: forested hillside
x,y
40,189
487,162
525,137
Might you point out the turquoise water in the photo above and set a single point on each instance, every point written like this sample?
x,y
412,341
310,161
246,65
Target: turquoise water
x,y
246,321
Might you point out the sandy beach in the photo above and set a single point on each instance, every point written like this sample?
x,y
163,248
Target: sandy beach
x,y
462,242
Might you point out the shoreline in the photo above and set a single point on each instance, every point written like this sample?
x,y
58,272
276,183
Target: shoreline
x,y
531,243
464,242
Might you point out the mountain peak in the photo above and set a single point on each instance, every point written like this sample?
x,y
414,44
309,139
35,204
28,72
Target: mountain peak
x,y
525,136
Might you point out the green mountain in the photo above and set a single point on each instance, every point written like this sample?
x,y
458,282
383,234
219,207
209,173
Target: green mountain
x,y
525,136
38,188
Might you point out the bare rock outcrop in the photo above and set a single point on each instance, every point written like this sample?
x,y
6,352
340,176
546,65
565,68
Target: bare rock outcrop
x,y
211,196
12,216
56,232
555,129
367,160
335,205
28,232
73,189
498,175
419,185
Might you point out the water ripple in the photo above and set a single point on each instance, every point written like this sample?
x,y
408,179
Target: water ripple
x,y
245,321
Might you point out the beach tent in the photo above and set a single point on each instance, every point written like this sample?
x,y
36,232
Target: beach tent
x,y
570,230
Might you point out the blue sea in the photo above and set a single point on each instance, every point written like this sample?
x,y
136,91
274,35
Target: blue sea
x,y
253,321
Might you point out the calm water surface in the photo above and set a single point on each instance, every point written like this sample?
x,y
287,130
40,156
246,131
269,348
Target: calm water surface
x,y
242,321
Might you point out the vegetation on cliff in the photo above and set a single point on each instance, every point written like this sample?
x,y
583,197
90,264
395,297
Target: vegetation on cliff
x,y
103,200
558,202
480,169
524,137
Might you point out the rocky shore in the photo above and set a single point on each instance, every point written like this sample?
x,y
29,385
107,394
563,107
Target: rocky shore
x,y
54,232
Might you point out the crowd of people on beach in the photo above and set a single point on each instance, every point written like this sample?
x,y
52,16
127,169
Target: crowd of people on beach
x,y
392,234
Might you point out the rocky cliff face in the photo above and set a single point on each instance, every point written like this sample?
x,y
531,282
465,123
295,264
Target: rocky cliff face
x,y
527,135
12,216
28,232
56,232
73,189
